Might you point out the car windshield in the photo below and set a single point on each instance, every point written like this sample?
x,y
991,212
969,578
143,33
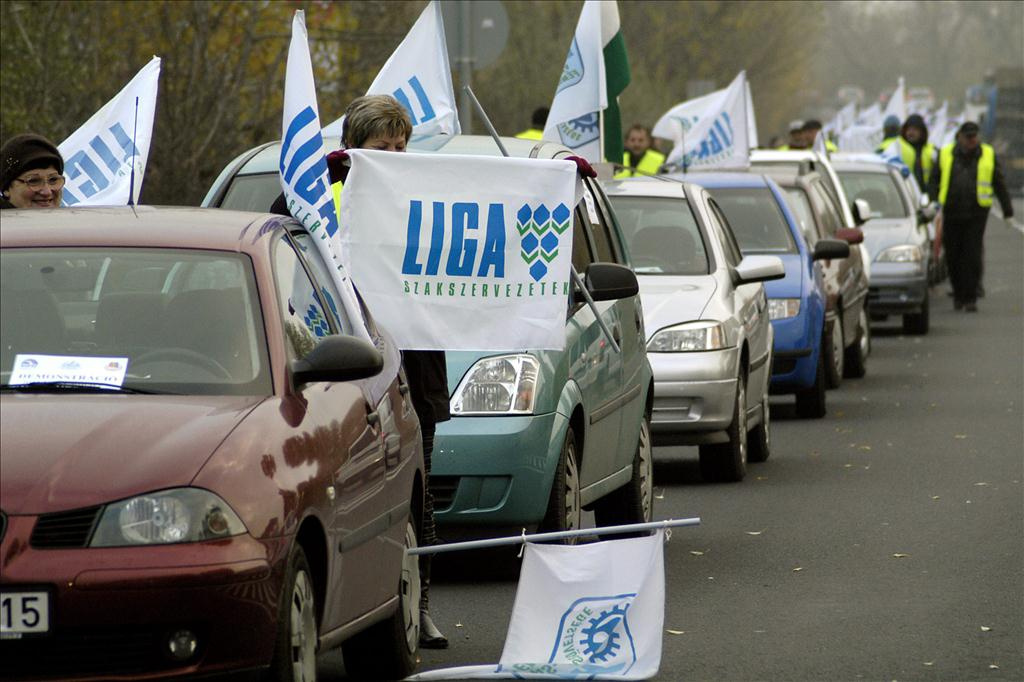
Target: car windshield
x,y
662,235
252,192
878,189
147,320
755,219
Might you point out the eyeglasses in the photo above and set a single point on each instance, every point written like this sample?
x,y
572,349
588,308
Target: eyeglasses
x,y
36,183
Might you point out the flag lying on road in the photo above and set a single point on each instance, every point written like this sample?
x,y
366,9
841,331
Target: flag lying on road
x,y
100,156
711,131
303,168
584,612
419,76
433,249
584,113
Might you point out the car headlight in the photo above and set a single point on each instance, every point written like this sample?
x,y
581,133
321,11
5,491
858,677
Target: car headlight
x,y
166,517
781,308
904,253
690,336
505,384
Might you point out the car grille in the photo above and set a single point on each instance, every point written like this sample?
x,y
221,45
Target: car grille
x,y
115,651
64,529
443,488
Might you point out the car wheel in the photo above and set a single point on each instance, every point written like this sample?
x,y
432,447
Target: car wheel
x,y
760,445
565,511
836,354
633,502
728,461
810,402
857,354
295,648
917,323
387,650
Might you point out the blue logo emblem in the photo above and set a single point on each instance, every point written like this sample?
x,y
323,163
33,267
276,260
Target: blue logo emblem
x,y
315,322
573,70
580,131
29,363
594,636
540,231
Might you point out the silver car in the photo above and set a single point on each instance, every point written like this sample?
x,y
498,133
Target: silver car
x,y
706,315
896,235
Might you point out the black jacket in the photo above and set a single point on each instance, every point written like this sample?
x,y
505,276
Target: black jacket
x,y
962,195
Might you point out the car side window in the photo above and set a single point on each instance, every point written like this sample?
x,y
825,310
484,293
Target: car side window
x,y
830,222
303,317
581,255
732,251
328,292
609,249
798,201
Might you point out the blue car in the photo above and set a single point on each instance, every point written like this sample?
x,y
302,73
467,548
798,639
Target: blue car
x,y
756,210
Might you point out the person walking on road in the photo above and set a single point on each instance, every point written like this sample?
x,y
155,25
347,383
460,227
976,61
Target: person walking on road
x,y
32,171
968,177
537,122
640,157
916,151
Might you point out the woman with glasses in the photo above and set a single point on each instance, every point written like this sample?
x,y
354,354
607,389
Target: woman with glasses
x,y
32,173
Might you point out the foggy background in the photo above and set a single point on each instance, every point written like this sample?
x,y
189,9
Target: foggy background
x,y
222,81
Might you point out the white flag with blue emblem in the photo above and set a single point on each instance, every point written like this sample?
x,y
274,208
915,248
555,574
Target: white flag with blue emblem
x,y
100,157
418,75
584,612
461,252
303,168
712,131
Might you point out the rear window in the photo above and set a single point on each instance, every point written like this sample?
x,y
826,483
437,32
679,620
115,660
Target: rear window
x,y
756,220
252,192
662,235
878,189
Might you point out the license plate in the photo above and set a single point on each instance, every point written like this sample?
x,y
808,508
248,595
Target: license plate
x,y
24,613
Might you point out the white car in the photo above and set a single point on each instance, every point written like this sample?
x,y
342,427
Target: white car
x,y
706,314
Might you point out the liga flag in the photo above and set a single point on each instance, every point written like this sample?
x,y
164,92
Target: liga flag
x,y
418,75
584,113
100,156
304,178
711,131
450,262
582,612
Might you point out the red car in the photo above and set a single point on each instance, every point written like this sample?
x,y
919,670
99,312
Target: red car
x,y
202,469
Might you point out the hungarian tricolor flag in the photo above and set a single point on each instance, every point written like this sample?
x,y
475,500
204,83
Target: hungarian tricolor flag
x,y
585,111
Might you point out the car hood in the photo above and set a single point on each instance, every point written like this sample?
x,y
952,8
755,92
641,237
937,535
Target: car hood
x,y
881,233
669,300
69,451
790,286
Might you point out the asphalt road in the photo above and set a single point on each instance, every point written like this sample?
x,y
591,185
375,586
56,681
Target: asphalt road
x,y
883,542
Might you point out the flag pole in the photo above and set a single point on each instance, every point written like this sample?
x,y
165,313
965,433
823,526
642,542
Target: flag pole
x,y
572,271
557,535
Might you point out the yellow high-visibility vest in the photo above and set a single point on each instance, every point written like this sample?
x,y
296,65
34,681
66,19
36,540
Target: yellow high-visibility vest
x,y
650,163
909,155
336,189
531,134
986,169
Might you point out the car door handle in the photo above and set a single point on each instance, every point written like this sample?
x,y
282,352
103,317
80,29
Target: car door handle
x,y
373,418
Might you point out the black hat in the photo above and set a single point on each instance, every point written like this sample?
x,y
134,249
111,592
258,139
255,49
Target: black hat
x,y
969,128
27,152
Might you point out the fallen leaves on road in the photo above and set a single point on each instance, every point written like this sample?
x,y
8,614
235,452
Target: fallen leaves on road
x,y
697,553
935,497
659,495
675,632
798,569
985,628
753,532
458,625
993,666
981,483
900,555
960,436
929,663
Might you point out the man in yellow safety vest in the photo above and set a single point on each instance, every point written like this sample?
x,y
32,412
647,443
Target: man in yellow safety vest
x,y
537,123
640,157
916,151
967,180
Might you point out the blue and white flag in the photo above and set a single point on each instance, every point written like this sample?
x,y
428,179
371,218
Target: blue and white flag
x,y
100,156
712,131
584,612
897,104
303,168
418,75
461,252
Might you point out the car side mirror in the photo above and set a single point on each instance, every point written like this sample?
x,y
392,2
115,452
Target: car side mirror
x,y
850,235
338,358
609,282
927,212
861,211
758,269
827,249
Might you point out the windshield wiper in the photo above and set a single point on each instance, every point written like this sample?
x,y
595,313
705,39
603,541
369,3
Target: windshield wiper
x,y
76,387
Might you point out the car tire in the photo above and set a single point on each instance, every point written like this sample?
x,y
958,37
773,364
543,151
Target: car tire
x,y
387,650
633,502
918,323
810,402
835,360
759,445
857,354
727,462
565,510
297,633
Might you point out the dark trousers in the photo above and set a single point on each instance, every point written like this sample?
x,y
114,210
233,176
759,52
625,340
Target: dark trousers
x,y
428,534
962,237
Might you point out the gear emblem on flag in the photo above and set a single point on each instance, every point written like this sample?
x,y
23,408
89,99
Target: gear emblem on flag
x,y
594,636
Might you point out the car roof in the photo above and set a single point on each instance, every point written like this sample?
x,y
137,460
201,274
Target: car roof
x,y
778,155
863,163
721,180
145,226
646,187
